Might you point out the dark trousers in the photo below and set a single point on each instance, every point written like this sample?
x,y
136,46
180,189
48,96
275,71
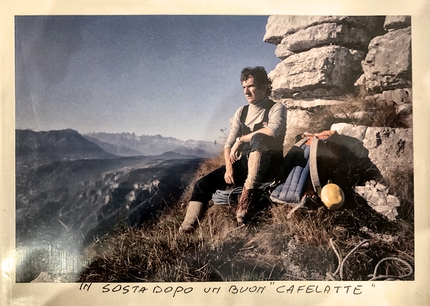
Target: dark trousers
x,y
207,185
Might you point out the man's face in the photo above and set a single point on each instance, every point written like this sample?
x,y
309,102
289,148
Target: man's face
x,y
252,92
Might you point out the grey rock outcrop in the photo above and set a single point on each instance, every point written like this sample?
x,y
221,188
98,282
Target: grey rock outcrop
x,y
327,58
321,55
324,34
402,99
389,149
397,22
280,26
328,62
320,72
388,62
398,96
315,60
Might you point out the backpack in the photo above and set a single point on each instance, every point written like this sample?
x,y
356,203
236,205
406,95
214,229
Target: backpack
x,y
309,164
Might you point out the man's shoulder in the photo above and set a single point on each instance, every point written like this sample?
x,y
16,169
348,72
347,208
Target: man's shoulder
x,y
274,102
277,105
240,109
238,113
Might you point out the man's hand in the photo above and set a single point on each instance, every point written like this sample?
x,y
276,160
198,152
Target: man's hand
x,y
228,176
235,152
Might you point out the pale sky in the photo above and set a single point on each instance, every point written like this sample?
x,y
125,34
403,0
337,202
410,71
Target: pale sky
x,y
172,75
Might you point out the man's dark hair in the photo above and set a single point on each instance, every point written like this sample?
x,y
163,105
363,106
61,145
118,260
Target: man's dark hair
x,y
260,77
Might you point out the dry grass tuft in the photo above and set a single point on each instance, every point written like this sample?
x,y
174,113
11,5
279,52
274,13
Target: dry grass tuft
x,y
357,111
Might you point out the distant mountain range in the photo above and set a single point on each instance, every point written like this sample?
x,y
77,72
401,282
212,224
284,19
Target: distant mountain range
x,y
68,144
130,144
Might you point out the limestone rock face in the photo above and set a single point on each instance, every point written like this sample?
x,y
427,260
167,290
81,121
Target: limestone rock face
x,y
319,72
282,51
388,63
325,62
325,34
397,22
297,122
279,26
306,70
398,96
402,98
389,148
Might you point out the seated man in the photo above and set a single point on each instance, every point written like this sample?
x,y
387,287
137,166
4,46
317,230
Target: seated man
x,y
252,151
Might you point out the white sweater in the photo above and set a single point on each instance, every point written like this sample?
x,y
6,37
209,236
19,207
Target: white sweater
x,y
277,120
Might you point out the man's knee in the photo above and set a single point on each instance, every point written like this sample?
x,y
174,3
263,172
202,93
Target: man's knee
x,y
259,142
200,190
199,185
206,186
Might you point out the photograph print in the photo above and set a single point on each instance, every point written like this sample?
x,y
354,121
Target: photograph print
x,y
201,148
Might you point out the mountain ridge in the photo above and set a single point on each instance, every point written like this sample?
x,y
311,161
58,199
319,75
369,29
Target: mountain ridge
x,y
156,144
69,144
55,145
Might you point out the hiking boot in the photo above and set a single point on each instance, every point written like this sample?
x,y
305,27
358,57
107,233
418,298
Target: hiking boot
x,y
247,199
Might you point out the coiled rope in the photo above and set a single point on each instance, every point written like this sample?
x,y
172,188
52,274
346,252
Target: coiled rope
x,y
373,276
222,197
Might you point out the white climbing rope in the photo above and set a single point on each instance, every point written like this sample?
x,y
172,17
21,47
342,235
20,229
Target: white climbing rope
x,y
391,277
299,205
373,276
222,197
341,261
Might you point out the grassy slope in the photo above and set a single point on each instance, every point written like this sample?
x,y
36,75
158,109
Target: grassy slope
x,y
271,247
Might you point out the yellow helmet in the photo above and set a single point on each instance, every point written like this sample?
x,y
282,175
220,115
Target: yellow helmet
x,y
332,196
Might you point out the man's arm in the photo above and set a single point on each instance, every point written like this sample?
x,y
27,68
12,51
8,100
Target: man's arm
x,y
234,129
231,146
265,130
228,176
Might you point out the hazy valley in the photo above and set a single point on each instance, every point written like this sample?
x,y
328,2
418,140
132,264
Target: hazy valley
x,y
70,191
